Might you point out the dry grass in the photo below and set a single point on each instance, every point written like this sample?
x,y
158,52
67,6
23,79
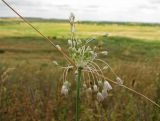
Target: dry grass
x,y
35,95
32,91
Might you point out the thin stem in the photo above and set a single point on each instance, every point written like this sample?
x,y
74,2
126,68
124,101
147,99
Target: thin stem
x,y
89,79
78,94
96,71
90,70
132,90
64,75
108,66
84,80
98,68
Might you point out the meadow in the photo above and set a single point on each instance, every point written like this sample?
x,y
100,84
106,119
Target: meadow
x,y
31,92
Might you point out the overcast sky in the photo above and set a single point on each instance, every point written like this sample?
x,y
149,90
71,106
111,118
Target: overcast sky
x,y
107,10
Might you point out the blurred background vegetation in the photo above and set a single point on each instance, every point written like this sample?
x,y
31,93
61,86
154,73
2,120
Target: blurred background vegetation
x,y
31,92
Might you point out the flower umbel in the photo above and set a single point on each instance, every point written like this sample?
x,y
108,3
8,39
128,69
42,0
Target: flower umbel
x,y
86,57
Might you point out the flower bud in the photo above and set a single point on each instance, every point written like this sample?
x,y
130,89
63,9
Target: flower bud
x,y
76,72
92,52
74,43
95,88
84,86
94,56
76,77
105,67
58,47
67,84
88,48
104,52
79,42
70,42
71,18
55,62
100,83
119,80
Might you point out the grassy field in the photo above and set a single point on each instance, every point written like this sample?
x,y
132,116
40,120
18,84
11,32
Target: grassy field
x,y
32,90
62,30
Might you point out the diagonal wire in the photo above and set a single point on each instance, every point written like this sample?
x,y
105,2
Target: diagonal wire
x,y
124,86
132,90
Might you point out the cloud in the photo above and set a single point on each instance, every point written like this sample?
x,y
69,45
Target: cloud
x,y
154,1
111,10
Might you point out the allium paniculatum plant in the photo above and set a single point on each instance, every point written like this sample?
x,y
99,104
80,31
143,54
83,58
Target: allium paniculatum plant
x,y
88,74
85,57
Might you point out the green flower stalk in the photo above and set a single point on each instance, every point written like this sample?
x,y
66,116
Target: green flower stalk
x,y
78,87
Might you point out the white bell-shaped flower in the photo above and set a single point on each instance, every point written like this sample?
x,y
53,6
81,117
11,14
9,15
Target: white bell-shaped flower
x,y
100,97
89,90
104,93
67,84
84,86
107,85
70,43
64,90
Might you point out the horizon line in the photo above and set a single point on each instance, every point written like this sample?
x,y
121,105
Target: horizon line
x,y
92,21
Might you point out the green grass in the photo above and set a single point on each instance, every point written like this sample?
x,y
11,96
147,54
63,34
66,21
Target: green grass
x,y
126,49
61,30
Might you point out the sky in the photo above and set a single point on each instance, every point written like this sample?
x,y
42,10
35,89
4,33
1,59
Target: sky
x,y
94,10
